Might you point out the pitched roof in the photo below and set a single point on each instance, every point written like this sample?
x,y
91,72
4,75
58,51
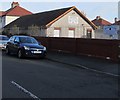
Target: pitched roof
x,y
116,23
2,13
100,21
46,18
16,11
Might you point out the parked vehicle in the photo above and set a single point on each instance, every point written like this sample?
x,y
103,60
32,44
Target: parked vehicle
x,y
3,41
25,46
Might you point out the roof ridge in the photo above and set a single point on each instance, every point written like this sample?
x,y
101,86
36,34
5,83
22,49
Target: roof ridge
x,y
7,11
53,10
23,8
107,21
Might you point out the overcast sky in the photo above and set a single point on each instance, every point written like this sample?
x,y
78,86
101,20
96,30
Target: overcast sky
x,y
107,10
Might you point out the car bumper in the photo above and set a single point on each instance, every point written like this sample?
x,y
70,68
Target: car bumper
x,y
33,54
3,47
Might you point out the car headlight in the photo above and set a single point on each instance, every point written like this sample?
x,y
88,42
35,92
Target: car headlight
x,y
44,48
26,48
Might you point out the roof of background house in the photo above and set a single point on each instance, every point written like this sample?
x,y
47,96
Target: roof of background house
x,y
15,10
100,21
1,13
46,18
116,23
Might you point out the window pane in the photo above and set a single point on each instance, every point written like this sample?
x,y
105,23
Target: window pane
x,y
71,33
56,33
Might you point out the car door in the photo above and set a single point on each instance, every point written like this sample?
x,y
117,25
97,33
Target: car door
x,y
16,44
11,43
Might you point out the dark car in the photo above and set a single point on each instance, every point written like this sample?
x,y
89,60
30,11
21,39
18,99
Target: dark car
x,y
25,46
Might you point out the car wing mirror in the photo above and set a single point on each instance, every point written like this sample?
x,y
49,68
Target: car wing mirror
x,y
16,42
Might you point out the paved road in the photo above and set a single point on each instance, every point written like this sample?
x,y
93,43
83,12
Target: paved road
x,y
103,66
43,78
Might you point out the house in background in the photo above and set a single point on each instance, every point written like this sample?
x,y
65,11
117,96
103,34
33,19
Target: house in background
x,y
113,30
100,23
12,14
65,22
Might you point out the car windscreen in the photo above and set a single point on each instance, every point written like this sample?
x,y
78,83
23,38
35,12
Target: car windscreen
x,y
4,38
28,40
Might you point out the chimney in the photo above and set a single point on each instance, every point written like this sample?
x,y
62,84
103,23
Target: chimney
x,y
14,4
98,17
116,19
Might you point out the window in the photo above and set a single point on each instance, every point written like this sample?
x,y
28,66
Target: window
x,y
28,40
89,33
111,36
17,39
71,32
12,39
73,20
57,32
4,38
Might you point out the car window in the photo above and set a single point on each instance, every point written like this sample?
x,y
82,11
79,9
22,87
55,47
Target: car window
x,y
28,40
4,38
17,39
12,39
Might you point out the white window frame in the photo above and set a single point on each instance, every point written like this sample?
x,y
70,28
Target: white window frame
x,y
57,32
71,31
89,33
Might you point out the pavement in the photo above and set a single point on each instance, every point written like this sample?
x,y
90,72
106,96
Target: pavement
x,y
89,63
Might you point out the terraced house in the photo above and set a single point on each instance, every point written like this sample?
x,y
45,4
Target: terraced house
x,y
64,22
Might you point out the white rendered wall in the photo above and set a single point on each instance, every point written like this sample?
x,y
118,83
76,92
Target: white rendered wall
x,y
9,19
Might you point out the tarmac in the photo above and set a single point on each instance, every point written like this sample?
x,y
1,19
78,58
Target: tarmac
x,y
102,66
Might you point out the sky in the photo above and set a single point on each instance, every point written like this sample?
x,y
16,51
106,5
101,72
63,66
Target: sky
x,y
107,10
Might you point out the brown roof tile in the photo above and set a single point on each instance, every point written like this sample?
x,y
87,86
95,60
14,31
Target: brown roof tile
x,y
16,11
100,21
2,13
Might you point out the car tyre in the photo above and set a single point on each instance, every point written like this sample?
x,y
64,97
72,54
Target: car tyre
x,y
43,56
7,51
20,54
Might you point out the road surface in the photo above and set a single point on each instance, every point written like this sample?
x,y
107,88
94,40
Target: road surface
x,y
43,78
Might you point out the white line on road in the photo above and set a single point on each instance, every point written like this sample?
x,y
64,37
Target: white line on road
x,y
98,71
25,91
91,69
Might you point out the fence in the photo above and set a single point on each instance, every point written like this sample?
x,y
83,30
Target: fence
x,y
107,49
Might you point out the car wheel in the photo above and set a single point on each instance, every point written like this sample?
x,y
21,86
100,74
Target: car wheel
x,y
20,54
7,51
